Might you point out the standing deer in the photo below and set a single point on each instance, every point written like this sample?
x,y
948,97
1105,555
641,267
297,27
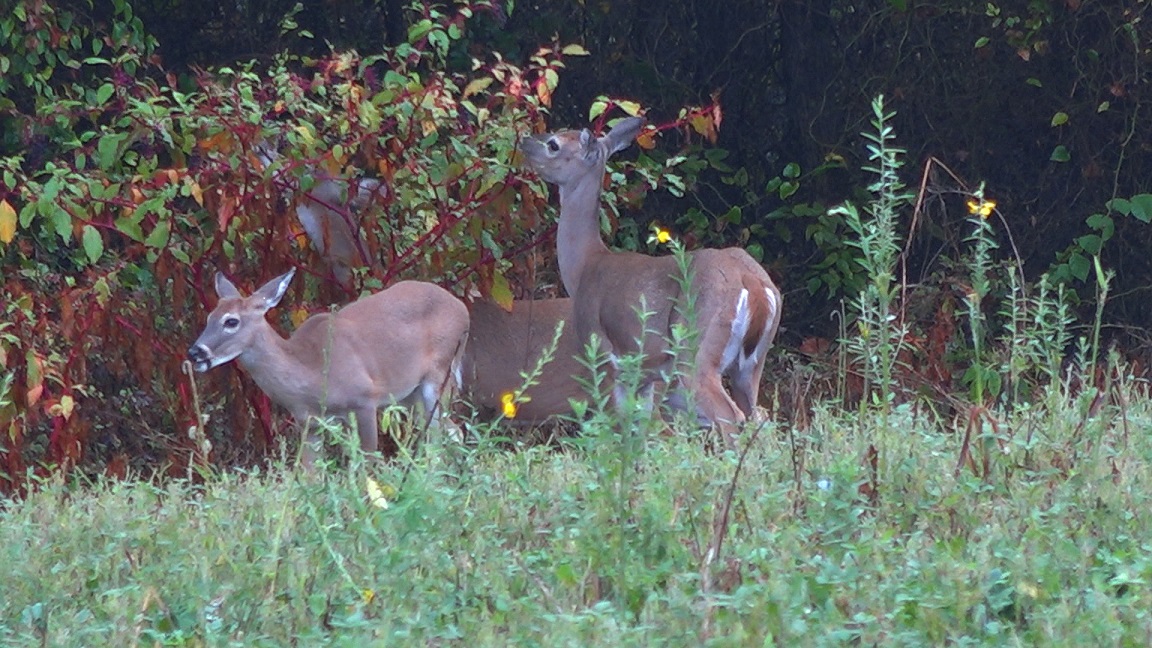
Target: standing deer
x,y
737,307
401,345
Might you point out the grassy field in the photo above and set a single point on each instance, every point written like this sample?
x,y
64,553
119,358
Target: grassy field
x,y
847,532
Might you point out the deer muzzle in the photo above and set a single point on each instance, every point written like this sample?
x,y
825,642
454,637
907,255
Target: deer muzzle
x,y
201,357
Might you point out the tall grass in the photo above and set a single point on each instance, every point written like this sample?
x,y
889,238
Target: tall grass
x,y
533,547
879,334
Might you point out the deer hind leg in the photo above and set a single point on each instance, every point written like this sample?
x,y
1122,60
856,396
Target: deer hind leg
x,y
745,377
431,389
719,353
745,371
368,428
715,406
438,387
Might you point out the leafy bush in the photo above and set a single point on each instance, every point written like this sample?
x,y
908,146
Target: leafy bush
x,y
149,182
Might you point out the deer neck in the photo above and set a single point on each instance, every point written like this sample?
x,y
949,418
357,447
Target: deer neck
x,y
274,367
578,234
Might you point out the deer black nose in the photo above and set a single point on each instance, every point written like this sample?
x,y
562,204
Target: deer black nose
x,y
197,354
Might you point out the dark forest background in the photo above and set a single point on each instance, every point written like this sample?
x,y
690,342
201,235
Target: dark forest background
x,y
978,86
1042,102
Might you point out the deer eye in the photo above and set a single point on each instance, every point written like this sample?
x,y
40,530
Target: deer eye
x,y
553,146
231,323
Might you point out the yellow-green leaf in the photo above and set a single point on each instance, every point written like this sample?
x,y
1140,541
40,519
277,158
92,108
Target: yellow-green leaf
x,y
501,291
1059,119
476,86
574,50
630,107
597,109
7,222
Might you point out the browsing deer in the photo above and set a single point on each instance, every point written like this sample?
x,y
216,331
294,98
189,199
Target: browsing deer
x,y
737,307
399,346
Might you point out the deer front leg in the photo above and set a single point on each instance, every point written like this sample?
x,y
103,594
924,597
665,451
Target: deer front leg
x,y
309,440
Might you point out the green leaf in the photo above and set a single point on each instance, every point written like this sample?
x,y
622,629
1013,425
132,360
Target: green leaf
x,y
108,149
1120,205
981,42
130,228
104,93
716,158
63,222
787,189
159,236
1079,265
1060,154
1090,243
27,213
419,30
1103,224
1059,119
792,170
1033,81
93,243
1142,207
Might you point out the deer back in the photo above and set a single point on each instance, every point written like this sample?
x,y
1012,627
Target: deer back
x,y
503,344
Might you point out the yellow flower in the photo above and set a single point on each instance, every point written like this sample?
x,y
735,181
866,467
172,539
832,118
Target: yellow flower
x,y
368,595
376,494
982,207
660,234
508,400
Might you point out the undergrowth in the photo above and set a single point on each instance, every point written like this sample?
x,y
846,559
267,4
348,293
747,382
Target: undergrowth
x,y
884,539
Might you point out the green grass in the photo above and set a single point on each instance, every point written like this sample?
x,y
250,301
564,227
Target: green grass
x,y
537,547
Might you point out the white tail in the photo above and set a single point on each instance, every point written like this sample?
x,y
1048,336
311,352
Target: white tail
x,y
401,345
503,344
737,307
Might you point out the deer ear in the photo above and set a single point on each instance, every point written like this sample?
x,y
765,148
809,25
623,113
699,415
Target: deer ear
x,y
225,289
273,291
587,144
622,134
